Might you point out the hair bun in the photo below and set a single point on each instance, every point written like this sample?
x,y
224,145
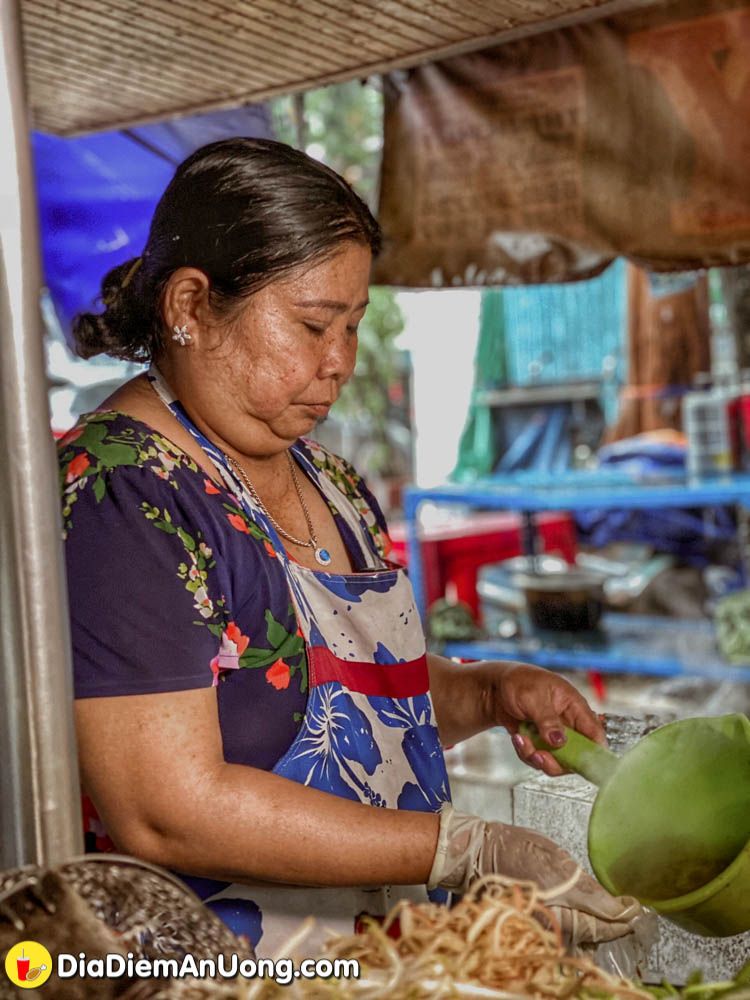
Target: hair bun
x,y
93,335
116,330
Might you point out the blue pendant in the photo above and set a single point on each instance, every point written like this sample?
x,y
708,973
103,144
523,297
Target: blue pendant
x,y
323,556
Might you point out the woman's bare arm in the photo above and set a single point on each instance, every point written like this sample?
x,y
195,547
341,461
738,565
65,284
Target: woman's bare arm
x,y
154,767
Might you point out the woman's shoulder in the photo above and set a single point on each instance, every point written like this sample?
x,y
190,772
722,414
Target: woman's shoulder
x,y
106,442
109,454
111,439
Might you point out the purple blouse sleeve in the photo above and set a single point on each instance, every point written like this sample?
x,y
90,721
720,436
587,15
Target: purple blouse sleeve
x,y
148,601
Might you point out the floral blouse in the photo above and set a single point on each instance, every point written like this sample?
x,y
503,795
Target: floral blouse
x,y
172,587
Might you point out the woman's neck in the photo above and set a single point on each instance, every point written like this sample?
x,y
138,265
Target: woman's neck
x,y
138,399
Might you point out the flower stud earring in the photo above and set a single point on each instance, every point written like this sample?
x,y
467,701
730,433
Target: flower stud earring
x,y
181,335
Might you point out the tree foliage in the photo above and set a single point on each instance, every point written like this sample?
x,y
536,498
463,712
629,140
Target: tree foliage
x,y
342,126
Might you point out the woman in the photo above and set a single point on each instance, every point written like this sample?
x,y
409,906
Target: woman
x,y
250,671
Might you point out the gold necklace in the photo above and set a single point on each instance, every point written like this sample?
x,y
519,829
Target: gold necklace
x,y
323,556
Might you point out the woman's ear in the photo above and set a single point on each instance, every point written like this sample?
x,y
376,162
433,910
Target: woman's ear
x,y
185,301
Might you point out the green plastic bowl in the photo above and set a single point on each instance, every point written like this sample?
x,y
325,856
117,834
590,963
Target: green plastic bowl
x,y
671,822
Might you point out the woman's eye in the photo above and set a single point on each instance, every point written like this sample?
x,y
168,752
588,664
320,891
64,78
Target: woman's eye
x,y
315,328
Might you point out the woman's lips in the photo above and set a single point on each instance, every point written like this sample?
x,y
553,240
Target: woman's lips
x,y
319,409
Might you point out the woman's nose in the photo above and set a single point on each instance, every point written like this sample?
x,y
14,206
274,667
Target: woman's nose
x,y
339,355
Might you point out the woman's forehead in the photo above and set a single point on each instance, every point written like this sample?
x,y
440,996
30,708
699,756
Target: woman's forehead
x,y
337,282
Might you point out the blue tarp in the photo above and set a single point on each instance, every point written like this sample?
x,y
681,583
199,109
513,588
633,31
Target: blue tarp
x,y
693,535
97,194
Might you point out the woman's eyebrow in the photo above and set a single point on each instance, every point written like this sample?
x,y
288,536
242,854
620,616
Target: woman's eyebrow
x,y
329,304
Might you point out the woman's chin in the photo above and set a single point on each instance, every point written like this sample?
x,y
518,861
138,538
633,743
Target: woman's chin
x,y
290,430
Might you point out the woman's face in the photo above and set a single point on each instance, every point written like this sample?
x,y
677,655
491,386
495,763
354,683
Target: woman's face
x,y
289,352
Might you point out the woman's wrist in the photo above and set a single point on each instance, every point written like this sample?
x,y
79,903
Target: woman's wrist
x,y
498,674
468,698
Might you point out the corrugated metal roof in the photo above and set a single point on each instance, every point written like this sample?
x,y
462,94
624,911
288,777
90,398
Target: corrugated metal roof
x,y
94,64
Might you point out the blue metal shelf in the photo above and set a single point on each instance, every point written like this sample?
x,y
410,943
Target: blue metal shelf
x,y
585,491
657,646
634,644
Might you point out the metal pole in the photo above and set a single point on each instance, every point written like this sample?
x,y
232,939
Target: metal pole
x,y
414,552
40,819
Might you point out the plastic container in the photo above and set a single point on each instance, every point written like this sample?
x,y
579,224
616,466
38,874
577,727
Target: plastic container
x,y
705,419
727,386
743,420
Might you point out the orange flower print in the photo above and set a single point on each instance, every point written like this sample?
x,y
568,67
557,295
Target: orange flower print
x,y
210,488
233,645
238,523
71,436
77,467
278,675
234,635
386,543
215,668
269,549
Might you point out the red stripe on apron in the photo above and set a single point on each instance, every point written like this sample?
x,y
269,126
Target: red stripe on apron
x,y
392,680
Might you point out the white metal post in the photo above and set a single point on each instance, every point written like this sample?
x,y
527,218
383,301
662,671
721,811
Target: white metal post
x,y
40,819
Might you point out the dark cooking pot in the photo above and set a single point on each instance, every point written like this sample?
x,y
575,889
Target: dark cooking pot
x,y
567,599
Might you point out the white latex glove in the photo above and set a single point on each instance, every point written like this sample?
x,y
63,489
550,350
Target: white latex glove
x,y
470,847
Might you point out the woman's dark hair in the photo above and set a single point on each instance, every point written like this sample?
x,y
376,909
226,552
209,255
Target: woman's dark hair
x,y
243,211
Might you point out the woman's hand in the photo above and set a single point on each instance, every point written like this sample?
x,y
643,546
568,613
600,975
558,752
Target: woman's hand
x,y
526,693
472,697
469,848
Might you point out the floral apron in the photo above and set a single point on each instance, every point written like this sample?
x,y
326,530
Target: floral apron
x,y
368,733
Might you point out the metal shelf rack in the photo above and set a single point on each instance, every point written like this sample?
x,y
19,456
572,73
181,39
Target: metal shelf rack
x,y
625,643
